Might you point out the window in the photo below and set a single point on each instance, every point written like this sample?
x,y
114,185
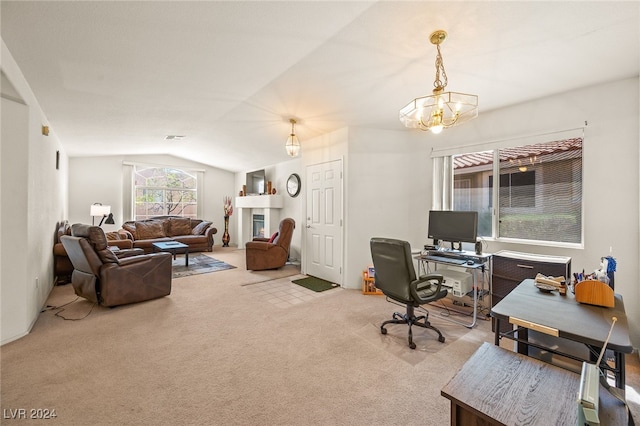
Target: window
x,y
539,196
164,191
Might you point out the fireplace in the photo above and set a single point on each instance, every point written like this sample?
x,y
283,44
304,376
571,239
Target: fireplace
x,y
257,225
266,205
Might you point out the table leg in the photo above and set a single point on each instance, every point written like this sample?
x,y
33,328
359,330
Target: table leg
x,y
186,257
497,332
523,334
620,370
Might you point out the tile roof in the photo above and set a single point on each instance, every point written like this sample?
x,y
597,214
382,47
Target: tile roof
x,y
527,151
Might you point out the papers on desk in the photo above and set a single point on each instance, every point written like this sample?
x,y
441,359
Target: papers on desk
x,y
545,283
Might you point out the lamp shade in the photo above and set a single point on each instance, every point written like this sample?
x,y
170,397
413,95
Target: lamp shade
x,y
100,210
109,220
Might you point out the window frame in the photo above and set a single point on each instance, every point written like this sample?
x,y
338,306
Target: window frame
x,y
184,171
448,153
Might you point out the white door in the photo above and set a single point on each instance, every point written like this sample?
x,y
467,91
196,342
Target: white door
x,y
323,227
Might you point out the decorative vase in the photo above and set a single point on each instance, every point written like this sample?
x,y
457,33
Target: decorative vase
x,y
225,236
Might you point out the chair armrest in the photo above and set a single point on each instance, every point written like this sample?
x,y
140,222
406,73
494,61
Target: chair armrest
x,y
424,290
58,250
264,240
121,244
126,261
121,254
259,245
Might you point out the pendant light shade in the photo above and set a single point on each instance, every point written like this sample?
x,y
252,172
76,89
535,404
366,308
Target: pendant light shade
x,y
293,144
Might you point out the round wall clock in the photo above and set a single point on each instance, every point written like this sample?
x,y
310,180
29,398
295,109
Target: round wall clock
x,y
293,185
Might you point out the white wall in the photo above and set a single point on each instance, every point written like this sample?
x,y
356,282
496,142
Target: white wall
x,y
34,199
387,190
99,180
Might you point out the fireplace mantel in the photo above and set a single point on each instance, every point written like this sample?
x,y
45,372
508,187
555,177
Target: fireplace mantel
x,y
260,204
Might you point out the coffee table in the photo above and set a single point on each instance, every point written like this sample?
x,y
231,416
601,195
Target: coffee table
x,y
174,248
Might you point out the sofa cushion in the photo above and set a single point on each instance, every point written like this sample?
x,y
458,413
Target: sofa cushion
x,y
191,240
146,230
201,228
273,237
179,226
131,228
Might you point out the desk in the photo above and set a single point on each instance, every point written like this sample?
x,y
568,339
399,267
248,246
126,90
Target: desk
x,y
482,263
499,387
561,316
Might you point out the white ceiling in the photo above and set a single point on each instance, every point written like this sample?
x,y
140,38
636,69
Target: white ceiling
x,y
117,77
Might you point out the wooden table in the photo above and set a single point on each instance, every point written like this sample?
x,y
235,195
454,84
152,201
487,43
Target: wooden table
x,y
173,247
499,387
562,316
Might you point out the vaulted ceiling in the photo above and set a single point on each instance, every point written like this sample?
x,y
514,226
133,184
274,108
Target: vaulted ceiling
x,y
117,77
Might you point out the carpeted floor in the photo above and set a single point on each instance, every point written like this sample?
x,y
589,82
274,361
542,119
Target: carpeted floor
x,y
221,355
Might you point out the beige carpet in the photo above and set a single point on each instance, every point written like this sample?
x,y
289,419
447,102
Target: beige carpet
x,y
211,353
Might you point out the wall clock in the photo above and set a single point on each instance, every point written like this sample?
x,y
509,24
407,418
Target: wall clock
x,y
293,185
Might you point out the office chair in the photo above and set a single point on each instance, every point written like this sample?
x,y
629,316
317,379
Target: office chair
x,y
396,278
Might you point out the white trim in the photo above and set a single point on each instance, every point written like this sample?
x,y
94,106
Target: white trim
x,y
172,166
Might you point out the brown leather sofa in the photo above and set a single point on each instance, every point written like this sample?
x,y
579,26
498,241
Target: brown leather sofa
x,y
270,253
101,276
196,233
62,266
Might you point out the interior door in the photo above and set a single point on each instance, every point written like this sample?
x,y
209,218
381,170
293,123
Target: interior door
x,y
323,228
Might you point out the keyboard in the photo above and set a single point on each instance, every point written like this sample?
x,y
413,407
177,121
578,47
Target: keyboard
x,y
444,259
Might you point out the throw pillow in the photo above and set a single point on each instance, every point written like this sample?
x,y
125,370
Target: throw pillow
x,y
200,228
148,230
274,237
180,226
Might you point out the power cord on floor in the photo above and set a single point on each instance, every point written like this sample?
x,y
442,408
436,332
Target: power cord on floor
x,y
62,308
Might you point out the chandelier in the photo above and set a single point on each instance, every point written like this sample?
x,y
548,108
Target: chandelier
x,y
293,144
442,109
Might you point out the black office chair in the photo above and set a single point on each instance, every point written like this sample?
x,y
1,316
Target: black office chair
x,y
396,278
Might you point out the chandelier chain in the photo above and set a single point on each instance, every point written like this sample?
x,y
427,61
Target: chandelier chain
x,y
438,84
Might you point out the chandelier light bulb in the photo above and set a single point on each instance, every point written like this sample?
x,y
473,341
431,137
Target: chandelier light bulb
x,y
436,129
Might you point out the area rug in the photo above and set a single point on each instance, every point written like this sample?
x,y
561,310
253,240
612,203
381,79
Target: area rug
x,y
315,284
198,264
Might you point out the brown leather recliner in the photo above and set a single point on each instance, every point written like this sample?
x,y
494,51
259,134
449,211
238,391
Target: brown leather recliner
x,y
262,254
101,276
62,266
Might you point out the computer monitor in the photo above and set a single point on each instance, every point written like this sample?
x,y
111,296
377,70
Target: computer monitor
x,y
453,226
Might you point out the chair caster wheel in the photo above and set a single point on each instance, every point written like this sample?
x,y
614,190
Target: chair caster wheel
x,y
441,339
383,330
412,345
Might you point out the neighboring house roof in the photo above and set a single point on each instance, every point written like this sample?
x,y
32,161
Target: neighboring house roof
x,y
486,157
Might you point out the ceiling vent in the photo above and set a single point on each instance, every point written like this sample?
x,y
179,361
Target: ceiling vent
x,y
174,137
